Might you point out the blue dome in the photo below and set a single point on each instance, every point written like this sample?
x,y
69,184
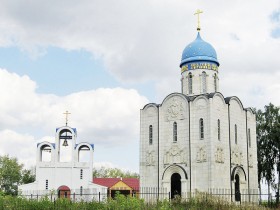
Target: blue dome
x,y
197,51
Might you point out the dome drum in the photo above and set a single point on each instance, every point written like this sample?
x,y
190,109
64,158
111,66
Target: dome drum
x,y
199,65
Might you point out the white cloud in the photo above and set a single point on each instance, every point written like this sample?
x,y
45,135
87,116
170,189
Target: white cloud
x,y
107,117
143,40
18,145
254,90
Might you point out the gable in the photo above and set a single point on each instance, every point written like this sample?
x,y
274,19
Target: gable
x,y
120,185
175,107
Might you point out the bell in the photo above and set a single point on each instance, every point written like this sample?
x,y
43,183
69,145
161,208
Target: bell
x,y
65,144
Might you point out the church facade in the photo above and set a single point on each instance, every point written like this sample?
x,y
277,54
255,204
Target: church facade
x,y
199,140
64,169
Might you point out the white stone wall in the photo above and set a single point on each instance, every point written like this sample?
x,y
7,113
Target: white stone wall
x,y
174,109
210,168
239,149
252,151
200,147
149,152
219,164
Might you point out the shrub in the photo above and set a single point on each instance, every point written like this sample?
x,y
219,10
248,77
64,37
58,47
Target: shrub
x,y
121,202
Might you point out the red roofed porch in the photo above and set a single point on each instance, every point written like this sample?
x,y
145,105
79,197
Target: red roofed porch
x,y
125,186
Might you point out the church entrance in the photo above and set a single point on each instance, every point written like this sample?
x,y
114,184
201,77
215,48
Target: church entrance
x,y
237,188
64,192
175,185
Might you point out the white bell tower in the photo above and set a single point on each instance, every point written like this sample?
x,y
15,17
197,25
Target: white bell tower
x,y
64,167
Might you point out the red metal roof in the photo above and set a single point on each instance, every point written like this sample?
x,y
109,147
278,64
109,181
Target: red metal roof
x,y
132,182
109,182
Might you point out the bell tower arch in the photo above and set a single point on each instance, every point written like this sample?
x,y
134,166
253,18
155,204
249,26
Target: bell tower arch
x,y
65,141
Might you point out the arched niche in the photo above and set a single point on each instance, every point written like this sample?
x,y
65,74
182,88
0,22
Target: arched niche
x,y
84,152
201,102
46,150
233,100
218,98
178,96
238,177
150,110
174,169
174,179
241,172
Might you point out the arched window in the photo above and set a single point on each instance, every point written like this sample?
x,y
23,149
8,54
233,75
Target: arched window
x,y
81,174
215,82
150,134
174,132
47,184
235,133
219,130
249,137
201,128
203,82
190,83
81,190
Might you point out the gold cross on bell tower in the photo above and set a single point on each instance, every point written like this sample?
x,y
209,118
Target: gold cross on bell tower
x,y
66,116
198,21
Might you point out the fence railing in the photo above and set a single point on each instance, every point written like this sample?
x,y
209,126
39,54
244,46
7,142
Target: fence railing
x,y
151,196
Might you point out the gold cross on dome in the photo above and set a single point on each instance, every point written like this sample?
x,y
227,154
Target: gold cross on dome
x,y
66,116
198,21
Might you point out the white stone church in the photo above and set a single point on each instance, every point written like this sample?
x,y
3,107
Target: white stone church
x,y
199,140
64,169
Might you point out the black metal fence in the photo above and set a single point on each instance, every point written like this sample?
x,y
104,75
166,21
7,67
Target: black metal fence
x,y
152,197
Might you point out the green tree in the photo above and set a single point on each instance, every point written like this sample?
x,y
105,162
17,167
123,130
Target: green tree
x,y
27,176
10,175
268,134
113,173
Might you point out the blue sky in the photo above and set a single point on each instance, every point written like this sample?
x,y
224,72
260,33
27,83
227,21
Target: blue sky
x,y
104,60
56,70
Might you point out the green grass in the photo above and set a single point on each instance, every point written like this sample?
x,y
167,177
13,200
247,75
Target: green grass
x,y
123,203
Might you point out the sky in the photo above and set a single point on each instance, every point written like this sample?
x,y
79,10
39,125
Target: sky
x,y
104,60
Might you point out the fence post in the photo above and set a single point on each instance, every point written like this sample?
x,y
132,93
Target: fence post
x,y
249,194
240,198
99,197
169,196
